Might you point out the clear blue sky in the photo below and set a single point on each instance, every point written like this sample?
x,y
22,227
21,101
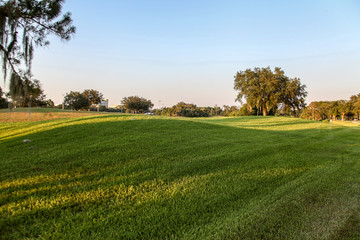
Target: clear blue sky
x,y
173,51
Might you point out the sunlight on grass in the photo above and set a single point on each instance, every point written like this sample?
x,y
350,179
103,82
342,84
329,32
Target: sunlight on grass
x,y
118,194
268,123
162,178
12,130
38,179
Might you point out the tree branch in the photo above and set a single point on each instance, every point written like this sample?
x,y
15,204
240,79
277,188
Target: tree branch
x,y
8,60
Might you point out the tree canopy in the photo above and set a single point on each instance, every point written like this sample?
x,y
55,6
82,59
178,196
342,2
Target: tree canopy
x,y
267,90
136,104
94,96
76,100
25,24
333,110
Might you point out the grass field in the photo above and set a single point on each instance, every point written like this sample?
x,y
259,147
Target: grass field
x,y
112,177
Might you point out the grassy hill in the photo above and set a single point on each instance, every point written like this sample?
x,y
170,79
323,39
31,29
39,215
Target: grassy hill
x,y
146,177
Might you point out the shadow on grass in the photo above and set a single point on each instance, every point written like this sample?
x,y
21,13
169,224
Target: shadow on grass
x,y
163,178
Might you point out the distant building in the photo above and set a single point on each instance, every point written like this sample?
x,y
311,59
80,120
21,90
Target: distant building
x,y
104,102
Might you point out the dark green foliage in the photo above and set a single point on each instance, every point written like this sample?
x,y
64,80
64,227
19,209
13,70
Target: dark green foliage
x,y
355,101
245,110
93,96
50,103
183,109
344,109
76,101
136,104
25,24
267,90
73,100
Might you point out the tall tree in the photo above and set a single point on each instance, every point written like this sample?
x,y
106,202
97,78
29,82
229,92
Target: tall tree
x,y
264,89
25,24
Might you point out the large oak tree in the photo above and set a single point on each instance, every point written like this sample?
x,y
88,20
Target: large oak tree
x,y
267,90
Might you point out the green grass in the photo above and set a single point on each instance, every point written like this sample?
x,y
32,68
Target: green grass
x,y
111,177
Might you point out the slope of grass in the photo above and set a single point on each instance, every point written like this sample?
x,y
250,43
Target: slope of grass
x,y
111,177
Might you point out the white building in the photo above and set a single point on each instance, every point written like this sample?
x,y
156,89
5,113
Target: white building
x,y
104,102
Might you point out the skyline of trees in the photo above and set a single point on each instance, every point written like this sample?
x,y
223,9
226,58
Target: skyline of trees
x,y
317,110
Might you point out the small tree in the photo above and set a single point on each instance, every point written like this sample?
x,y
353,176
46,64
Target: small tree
x,y
76,101
136,104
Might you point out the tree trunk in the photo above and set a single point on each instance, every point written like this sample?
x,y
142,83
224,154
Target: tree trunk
x,y
342,117
265,112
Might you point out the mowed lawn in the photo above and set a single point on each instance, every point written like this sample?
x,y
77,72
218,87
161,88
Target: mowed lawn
x,y
147,177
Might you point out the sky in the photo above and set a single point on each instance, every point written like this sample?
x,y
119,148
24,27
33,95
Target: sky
x,y
172,51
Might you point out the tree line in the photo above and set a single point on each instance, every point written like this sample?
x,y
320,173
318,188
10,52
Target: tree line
x,y
333,110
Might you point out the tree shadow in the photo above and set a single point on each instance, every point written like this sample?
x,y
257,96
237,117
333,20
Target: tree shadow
x,y
133,153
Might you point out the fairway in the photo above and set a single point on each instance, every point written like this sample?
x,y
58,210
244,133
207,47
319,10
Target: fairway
x,y
147,177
